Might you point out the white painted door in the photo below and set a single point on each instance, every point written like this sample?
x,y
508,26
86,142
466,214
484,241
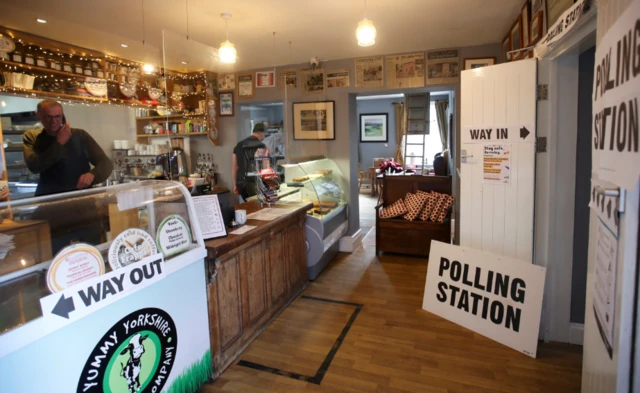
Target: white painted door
x,y
498,123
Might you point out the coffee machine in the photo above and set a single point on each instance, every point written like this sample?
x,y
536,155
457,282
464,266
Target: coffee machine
x,y
174,163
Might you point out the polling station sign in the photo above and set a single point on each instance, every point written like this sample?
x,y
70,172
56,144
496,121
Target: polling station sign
x,y
616,90
496,296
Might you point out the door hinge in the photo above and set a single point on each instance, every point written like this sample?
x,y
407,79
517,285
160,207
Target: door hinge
x,y
543,92
541,144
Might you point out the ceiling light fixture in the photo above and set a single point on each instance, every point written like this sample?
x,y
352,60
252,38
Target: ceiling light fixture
x,y
184,62
366,31
39,20
227,52
124,45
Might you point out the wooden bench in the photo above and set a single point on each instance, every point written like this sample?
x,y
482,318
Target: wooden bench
x,y
398,235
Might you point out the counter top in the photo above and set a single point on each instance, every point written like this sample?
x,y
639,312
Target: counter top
x,y
219,246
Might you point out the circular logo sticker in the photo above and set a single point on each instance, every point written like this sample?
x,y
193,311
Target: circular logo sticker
x,y
74,264
174,235
135,355
129,247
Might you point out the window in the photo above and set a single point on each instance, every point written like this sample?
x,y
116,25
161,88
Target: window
x,y
432,142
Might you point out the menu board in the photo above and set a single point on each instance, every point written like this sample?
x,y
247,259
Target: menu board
x,y
209,216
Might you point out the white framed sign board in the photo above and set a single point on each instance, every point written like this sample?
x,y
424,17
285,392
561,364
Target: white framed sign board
x,y
209,215
496,296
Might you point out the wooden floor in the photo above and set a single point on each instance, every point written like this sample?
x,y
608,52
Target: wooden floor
x,y
359,327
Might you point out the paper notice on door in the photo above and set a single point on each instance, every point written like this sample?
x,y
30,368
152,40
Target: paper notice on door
x,y
604,294
496,164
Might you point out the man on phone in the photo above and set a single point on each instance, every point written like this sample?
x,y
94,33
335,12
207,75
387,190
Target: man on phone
x,y
63,155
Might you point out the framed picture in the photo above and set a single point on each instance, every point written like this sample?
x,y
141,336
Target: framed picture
x,y
506,47
536,28
478,62
373,127
266,79
226,104
227,82
245,85
525,15
314,120
516,35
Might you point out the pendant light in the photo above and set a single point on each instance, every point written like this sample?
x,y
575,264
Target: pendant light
x,y
227,52
366,31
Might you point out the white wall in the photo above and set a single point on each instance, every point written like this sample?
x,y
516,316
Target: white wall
x,y
104,123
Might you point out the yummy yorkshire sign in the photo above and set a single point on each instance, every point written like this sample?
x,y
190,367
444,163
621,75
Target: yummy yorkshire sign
x,y
496,296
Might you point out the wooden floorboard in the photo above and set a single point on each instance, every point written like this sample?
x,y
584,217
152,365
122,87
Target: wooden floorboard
x,y
392,345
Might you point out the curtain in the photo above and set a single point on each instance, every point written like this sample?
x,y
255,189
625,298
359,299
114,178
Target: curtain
x,y
401,124
443,121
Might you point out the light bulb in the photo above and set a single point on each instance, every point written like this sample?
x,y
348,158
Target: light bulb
x,y
227,52
147,68
366,33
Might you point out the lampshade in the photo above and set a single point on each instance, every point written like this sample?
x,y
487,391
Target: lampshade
x,y
366,33
227,52
148,68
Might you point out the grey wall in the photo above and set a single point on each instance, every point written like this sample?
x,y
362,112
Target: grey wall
x,y
583,188
370,150
344,149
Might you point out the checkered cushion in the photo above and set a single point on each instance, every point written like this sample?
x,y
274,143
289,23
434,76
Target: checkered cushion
x,y
395,210
414,204
442,208
432,200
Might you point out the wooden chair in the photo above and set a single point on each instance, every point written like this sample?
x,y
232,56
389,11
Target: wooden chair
x,y
410,237
364,177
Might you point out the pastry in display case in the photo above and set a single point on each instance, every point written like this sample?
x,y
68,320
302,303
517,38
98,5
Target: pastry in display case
x,y
320,181
50,243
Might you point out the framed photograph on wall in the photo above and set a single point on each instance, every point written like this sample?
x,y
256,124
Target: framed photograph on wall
x,y
525,15
266,79
314,120
227,82
226,104
374,127
245,85
516,36
506,47
536,28
478,62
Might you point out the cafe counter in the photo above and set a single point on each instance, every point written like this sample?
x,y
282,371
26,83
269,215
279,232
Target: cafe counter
x,y
253,276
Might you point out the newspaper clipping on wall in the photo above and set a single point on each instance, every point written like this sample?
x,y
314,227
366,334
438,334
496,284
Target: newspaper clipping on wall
x,y
312,80
443,67
405,70
227,82
288,78
338,78
370,72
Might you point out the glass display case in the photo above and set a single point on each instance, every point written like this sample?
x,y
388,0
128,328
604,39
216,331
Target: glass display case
x,y
320,181
89,232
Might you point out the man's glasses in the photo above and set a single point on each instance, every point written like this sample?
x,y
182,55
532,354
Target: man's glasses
x,y
56,117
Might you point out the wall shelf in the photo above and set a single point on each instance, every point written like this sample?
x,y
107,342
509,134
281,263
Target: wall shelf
x,y
38,93
170,135
44,69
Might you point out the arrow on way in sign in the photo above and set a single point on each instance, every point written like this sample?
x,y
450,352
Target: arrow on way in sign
x,y
64,307
524,133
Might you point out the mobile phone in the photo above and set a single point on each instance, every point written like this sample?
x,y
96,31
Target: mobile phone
x,y
64,120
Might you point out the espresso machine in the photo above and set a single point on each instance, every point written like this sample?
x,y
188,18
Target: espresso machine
x,y
174,163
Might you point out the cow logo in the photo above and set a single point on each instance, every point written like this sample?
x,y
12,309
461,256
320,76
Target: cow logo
x,y
135,356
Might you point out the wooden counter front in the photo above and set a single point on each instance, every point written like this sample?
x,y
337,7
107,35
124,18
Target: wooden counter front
x,y
251,278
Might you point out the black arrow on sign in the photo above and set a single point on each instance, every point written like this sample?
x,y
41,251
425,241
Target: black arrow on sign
x,y
64,307
524,133
609,209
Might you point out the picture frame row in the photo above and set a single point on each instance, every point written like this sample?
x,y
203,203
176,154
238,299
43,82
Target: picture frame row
x,y
525,32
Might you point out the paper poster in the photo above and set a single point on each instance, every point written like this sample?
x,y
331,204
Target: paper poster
x,y
443,67
496,164
338,78
227,82
370,72
405,70
312,80
616,137
288,78
209,216
496,296
265,79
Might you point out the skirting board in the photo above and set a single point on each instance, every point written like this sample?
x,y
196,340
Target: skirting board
x,y
576,334
351,243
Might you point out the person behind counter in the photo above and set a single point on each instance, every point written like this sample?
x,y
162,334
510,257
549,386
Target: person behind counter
x,y
63,155
243,160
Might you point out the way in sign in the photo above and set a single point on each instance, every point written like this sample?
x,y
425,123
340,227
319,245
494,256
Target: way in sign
x,y
485,133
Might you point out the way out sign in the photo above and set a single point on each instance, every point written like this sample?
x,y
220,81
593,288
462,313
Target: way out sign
x,y
496,296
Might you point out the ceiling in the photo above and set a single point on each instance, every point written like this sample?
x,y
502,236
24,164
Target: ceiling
x,y
303,28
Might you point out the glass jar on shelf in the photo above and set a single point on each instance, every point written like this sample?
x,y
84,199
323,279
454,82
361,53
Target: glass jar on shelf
x,y
41,61
16,56
100,73
87,70
67,67
29,59
52,63
58,64
78,68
